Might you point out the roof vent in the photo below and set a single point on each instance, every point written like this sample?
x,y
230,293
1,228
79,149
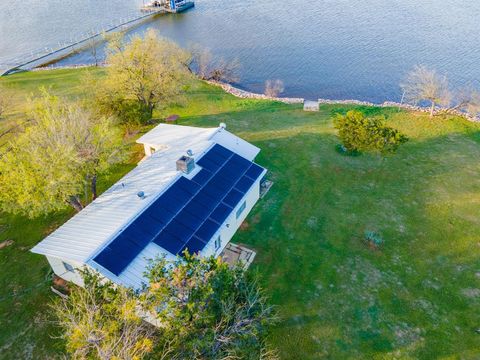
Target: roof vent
x,y
141,195
223,125
190,152
185,164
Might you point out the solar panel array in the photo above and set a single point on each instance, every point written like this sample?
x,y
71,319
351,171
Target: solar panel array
x,y
189,213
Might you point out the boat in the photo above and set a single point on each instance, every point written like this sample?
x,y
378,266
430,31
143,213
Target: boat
x,y
173,6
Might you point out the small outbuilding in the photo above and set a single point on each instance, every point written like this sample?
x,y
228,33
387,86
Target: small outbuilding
x,y
309,105
192,191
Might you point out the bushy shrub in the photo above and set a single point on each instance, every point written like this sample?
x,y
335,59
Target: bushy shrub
x,y
361,134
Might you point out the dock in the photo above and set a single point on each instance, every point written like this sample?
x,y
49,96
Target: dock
x,y
170,6
48,55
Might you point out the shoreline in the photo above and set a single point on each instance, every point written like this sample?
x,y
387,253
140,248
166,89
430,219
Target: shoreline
x,y
244,94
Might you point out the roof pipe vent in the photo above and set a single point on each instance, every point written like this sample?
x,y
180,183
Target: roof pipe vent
x,y
141,195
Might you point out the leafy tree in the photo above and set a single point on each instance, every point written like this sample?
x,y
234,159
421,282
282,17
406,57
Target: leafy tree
x,y
101,321
361,134
423,84
207,310
61,153
146,72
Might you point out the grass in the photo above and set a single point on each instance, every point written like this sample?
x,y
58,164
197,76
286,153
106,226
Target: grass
x,y
417,296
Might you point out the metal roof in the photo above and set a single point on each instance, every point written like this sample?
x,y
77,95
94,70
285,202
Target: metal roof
x,y
81,237
189,213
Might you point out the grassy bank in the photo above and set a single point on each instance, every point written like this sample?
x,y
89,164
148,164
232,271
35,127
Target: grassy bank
x,y
418,296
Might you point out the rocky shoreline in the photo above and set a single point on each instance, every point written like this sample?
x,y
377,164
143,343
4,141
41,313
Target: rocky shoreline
x,y
251,95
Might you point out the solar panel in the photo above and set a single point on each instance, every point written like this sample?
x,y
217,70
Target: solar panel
x,y
202,177
194,245
160,214
209,164
238,164
147,227
190,220
179,230
254,171
220,151
244,184
221,213
123,245
135,234
233,198
207,230
221,184
112,261
214,192
169,242
187,186
189,212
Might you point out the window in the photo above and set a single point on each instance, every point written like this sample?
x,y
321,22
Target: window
x,y
218,243
241,209
68,267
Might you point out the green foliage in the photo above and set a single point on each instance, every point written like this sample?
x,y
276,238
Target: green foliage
x,y
62,151
207,309
361,134
423,200
101,321
145,74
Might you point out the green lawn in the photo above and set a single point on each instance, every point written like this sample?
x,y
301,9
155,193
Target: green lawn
x,y
416,297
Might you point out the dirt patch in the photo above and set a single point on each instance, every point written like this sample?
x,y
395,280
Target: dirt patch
x,y
245,226
6,243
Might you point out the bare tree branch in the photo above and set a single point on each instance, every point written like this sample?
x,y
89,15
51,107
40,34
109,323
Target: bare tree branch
x,y
423,84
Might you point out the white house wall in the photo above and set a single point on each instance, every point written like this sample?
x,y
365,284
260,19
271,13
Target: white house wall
x,y
226,233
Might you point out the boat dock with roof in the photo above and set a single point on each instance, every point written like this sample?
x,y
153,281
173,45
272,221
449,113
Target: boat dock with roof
x,y
172,6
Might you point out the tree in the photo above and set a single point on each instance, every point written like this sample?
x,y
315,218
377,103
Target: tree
x,y
92,44
361,134
273,88
150,72
4,101
61,153
207,310
423,84
101,321
468,100
207,67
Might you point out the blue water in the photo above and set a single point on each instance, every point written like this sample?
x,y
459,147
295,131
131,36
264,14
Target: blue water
x,y
334,49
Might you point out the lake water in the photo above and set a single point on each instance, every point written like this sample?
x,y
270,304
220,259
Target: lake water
x,y
338,49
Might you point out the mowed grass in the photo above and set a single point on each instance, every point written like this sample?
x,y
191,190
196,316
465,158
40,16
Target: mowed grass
x,y
418,296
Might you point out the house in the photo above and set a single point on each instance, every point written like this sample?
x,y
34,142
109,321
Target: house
x,y
192,191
